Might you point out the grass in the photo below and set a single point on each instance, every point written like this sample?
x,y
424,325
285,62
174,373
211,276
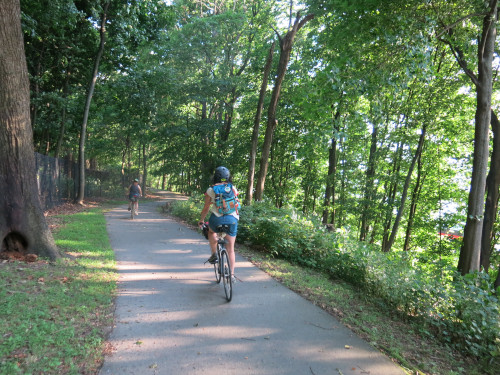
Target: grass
x,y
391,333
55,316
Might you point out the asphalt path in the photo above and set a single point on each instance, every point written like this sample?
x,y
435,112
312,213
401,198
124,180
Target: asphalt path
x,y
172,318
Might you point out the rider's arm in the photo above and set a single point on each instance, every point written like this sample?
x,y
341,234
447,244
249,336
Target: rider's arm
x,y
140,190
206,208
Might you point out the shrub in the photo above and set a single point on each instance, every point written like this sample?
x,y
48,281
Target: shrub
x,y
188,210
462,311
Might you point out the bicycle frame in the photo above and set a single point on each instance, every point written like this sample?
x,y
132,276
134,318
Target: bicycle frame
x,y
223,266
134,206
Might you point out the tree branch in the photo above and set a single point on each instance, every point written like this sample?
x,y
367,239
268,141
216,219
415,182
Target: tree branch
x,y
459,56
277,34
304,20
488,20
451,26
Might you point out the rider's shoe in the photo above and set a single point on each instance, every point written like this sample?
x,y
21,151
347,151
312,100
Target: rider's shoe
x,y
128,208
233,279
212,259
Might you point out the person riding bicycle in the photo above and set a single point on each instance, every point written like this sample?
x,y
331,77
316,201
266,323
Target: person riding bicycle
x,y
134,192
222,177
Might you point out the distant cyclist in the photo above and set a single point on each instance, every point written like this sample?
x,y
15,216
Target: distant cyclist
x,y
134,191
221,200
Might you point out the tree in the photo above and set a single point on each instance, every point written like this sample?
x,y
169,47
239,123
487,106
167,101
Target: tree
x,y
22,224
397,220
470,252
286,44
256,126
90,92
492,184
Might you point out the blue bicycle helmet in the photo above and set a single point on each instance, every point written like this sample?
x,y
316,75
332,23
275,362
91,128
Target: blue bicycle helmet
x,y
221,175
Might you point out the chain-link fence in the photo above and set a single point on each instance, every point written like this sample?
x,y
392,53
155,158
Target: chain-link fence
x,y
58,181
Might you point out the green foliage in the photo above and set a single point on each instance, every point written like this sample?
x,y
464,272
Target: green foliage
x,y
284,233
179,84
462,311
188,210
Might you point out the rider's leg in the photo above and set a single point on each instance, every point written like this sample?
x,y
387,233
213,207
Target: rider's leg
x,y
230,251
212,240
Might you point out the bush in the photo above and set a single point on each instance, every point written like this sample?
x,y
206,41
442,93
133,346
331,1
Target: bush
x,y
188,210
285,234
462,311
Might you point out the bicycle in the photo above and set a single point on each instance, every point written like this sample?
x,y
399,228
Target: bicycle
x,y
134,206
222,266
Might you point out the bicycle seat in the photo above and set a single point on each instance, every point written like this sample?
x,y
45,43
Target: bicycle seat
x,y
222,228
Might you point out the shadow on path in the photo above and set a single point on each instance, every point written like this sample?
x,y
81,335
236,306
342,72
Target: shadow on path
x,y
172,318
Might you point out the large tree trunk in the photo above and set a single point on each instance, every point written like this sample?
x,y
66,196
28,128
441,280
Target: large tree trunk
x,y
395,227
228,108
413,205
22,224
469,260
497,281
492,184
392,187
368,196
256,125
83,131
63,117
286,44
329,202
145,170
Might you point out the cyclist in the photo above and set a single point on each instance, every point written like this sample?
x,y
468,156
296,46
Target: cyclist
x,y
222,176
134,190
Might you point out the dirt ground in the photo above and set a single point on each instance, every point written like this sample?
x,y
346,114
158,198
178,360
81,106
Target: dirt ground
x,y
53,221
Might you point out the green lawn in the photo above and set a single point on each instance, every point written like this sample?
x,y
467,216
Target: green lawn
x,y
55,316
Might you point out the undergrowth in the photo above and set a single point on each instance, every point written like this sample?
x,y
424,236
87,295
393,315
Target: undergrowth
x,y
462,312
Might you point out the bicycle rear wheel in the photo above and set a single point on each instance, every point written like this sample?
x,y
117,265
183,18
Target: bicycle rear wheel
x,y
134,209
226,275
217,265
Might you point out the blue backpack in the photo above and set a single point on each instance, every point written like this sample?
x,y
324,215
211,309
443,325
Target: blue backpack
x,y
226,201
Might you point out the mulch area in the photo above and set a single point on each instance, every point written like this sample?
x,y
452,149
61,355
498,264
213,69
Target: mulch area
x,y
54,222
55,219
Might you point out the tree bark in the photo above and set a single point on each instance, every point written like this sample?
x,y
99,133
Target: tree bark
x,y
368,196
492,185
470,251
286,44
329,202
497,281
63,117
83,131
145,170
22,224
395,227
413,205
256,125
391,196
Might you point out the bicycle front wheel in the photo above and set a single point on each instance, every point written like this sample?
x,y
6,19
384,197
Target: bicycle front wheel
x,y
226,275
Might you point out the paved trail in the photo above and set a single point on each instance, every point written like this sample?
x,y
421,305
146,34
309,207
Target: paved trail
x,y
173,319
